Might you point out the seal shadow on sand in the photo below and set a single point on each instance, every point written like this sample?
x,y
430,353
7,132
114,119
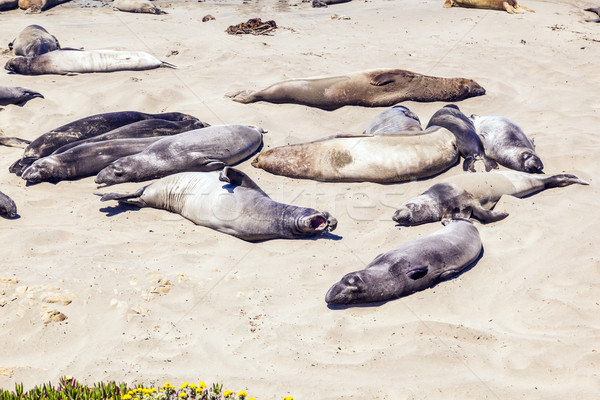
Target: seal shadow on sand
x,y
380,303
111,211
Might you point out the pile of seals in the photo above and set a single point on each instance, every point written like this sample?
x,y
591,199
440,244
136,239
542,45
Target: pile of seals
x,y
253,26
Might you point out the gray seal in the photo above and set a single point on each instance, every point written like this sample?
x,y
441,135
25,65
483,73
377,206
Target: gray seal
x,y
141,129
468,143
411,267
506,143
205,149
8,208
474,195
394,119
16,95
33,41
229,202
84,128
84,160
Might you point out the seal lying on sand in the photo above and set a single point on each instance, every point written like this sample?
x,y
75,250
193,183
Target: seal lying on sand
x,y
466,195
33,41
380,158
414,266
82,129
468,143
36,6
229,202
8,4
506,143
8,207
137,6
374,88
205,149
141,129
394,119
84,160
596,11
16,95
509,6
68,61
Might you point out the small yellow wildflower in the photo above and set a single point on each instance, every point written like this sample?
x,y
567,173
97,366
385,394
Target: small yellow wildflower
x,y
201,385
126,397
251,398
183,394
242,394
227,393
288,398
193,386
185,384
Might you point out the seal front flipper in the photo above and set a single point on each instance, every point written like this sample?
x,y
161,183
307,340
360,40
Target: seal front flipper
x,y
238,178
14,142
242,96
469,163
487,216
212,165
389,77
128,198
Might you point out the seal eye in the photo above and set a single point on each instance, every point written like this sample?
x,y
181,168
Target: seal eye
x,y
118,172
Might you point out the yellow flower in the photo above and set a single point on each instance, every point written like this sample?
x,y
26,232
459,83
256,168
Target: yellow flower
x,y
201,385
185,384
193,386
251,398
183,394
242,394
198,390
288,398
227,393
166,385
126,397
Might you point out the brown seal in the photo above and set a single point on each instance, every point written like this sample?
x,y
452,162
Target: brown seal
x,y
374,88
36,6
509,6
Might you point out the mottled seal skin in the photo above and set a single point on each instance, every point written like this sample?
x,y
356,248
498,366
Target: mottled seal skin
x,y
382,158
16,95
506,143
395,119
474,195
468,143
141,129
84,128
84,160
325,3
137,6
8,208
33,41
509,6
374,88
36,6
412,267
205,149
67,61
229,202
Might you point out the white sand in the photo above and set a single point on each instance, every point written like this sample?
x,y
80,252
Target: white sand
x,y
522,324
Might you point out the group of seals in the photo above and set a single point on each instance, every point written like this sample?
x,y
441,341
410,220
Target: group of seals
x,y
374,88
33,6
383,158
229,202
509,6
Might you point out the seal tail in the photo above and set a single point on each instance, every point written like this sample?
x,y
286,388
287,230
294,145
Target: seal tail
x,y
14,142
164,64
128,198
562,180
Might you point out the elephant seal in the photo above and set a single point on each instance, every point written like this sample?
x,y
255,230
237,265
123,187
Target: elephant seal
x,y
411,267
229,202
8,207
468,143
383,158
6,5
509,6
35,6
84,160
325,3
33,41
474,195
82,129
374,88
596,11
16,95
205,149
137,6
68,61
395,119
506,143
141,129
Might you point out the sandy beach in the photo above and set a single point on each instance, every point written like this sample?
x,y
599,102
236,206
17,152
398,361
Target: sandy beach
x,y
150,297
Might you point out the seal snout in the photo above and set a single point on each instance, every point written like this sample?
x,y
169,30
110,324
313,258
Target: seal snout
x,y
403,216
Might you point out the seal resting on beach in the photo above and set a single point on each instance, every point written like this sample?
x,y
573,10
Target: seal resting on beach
x,y
383,158
229,202
36,6
16,95
474,195
414,266
33,41
141,129
84,160
468,143
82,129
205,149
595,10
374,88
395,119
68,61
8,4
506,143
8,207
137,6
509,6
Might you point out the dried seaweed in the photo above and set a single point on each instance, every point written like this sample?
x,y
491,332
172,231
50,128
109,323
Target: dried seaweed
x,y
254,26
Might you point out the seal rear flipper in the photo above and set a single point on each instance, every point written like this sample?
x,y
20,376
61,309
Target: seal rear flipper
x,y
128,198
487,216
165,64
238,178
561,180
489,164
469,164
14,142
